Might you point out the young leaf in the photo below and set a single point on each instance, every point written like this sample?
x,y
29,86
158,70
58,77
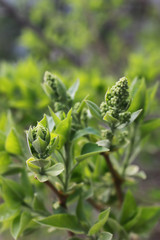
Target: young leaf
x,y
86,131
62,221
129,208
150,126
44,121
12,144
90,149
73,89
2,141
7,213
39,145
38,204
4,161
80,210
117,228
19,224
110,119
138,94
135,115
63,129
55,170
31,163
105,236
12,192
94,109
151,93
102,219
54,116
144,220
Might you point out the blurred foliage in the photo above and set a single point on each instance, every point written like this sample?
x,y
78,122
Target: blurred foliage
x,y
93,41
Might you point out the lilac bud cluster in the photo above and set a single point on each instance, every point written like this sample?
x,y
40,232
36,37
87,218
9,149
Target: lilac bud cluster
x,y
117,102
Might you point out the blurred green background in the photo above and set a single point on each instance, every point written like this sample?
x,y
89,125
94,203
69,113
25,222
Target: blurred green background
x,y
97,41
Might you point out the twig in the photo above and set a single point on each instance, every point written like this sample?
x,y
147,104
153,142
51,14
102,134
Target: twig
x,y
116,178
62,198
97,206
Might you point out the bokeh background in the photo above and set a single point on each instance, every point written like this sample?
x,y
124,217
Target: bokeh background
x,y
97,41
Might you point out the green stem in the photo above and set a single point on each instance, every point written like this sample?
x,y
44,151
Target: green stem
x,y
68,149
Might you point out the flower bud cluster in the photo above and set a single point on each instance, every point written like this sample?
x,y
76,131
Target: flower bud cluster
x,y
79,117
84,117
39,141
117,102
58,93
104,108
107,134
118,95
122,137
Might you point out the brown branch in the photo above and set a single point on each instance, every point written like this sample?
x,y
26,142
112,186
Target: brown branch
x,y
116,178
25,22
62,198
94,204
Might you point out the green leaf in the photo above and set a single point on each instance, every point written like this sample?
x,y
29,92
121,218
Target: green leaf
x,y
135,115
86,131
138,94
73,89
12,144
144,220
105,236
55,170
150,126
12,192
131,170
151,94
19,224
94,109
111,120
63,129
117,228
32,165
26,184
61,89
38,204
63,221
54,116
44,121
90,149
6,213
129,208
4,161
104,143
39,145
47,89
102,219
42,178
2,141
80,210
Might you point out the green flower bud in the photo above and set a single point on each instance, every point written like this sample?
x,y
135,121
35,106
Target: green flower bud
x,y
58,106
39,140
118,95
104,108
122,137
124,117
84,117
51,85
107,134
